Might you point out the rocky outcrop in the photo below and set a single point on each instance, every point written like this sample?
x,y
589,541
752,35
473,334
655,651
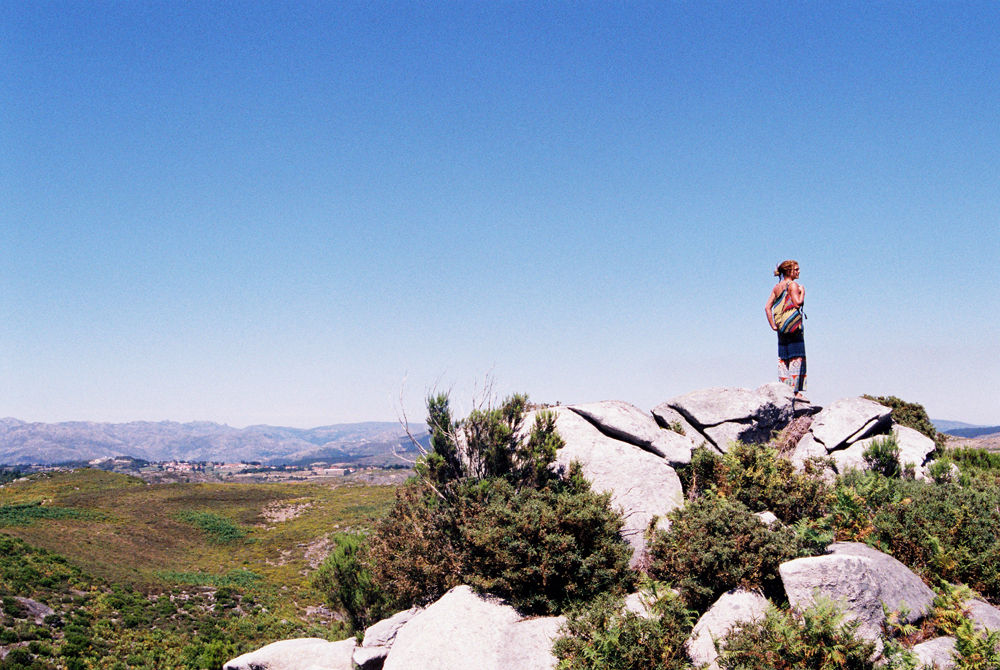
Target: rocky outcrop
x,y
862,580
914,448
847,421
722,416
308,653
625,422
630,454
642,484
379,638
733,607
462,626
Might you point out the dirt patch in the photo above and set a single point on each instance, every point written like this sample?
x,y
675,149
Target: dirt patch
x,y
278,512
318,550
989,442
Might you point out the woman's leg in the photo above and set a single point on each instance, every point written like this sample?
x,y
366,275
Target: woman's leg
x,y
792,372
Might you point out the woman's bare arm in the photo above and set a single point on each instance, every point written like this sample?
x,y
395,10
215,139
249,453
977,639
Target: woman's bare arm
x,y
770,303
797,293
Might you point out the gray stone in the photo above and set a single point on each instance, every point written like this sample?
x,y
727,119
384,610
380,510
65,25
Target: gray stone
x,y
808,447
849,420
642,484
937,653
459,628
370,658
914,446
309,653
726,415
851,458
983,615
861,580
712,406
625,422
665,416
527,645
378,639
767,518
382,634
37,611
725,434
734,606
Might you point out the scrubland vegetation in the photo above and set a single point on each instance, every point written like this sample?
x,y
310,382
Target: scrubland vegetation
x,y
493,517
185,576
180,576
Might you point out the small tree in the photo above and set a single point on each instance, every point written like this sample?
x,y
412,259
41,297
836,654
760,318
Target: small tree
x,y
882,456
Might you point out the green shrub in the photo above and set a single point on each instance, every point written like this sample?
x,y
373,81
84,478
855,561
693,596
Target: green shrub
x,y
940,471
541,549
347,583
714,545
939,531
763,481
488,444
414,554
975,458
815,638
24,514
944,532
605,637
544,550
218,529
975,650
489,509
755,475
882,456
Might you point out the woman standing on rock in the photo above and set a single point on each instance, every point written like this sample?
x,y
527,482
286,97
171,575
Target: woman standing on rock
x,y
784,313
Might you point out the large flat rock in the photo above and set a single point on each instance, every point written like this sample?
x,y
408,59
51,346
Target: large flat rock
x,y
308,653
642,484
849,420
527,645
862,580
620,420
463,630
726,415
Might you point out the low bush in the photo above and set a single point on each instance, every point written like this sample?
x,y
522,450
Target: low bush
x,y
541,549
544,550
882,456
755,475
606,637
218,529
816,638
714,545
414,552
940,531
346,580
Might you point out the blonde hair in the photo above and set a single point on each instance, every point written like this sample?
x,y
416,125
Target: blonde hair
x,y
784,268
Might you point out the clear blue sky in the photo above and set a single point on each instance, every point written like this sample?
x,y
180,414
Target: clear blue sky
x,y
256,212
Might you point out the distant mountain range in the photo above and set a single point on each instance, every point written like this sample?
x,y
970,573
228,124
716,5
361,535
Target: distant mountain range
x,y
49,443
959,429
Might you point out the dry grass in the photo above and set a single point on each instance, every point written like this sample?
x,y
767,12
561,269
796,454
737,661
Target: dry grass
x,y
134,533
